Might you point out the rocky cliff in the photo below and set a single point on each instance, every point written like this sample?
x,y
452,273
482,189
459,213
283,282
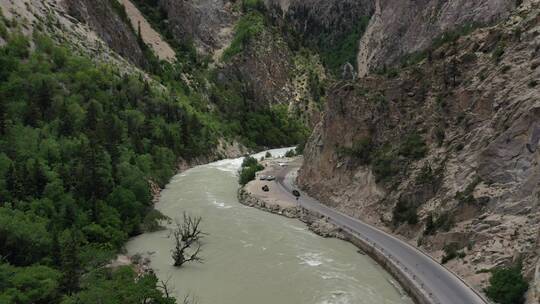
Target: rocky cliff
x,y
107,18
445,152
208,23
401,27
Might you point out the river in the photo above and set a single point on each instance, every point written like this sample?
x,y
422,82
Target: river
x,y
254,257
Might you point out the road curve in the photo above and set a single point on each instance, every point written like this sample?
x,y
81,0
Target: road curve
x,y
443,285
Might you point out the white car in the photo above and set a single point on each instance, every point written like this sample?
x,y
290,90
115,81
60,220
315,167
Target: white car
x,y
270,178
263,177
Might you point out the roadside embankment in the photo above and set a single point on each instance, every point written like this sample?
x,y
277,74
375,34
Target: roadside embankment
x,y
274,200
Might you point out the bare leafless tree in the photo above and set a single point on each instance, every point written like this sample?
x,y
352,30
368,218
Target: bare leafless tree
x,y
167,290
187,237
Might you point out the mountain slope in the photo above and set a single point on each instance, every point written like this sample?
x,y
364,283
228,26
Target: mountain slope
x,y
444,151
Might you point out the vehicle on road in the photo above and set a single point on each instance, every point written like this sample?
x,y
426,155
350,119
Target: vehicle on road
x,y
262,177
270,178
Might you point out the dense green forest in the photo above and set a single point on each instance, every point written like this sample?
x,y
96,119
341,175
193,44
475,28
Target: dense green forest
x,y
78,145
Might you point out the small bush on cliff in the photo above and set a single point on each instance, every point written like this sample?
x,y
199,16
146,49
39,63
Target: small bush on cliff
x,y
249,27
253,5
452,251
405,212
360,150
250,166
413,147
507,285
442,222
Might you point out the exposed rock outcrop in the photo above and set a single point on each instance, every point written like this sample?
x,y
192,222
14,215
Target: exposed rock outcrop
x,y
110,24
322,21
401,27
445,151
207,23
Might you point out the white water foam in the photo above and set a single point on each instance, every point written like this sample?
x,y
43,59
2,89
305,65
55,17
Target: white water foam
x,y
313,259
233,165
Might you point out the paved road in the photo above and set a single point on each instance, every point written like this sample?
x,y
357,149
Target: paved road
x,y
445,287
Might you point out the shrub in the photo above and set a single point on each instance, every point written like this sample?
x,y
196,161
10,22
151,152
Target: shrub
x,y
290,153
425,176
443,222
249,27
250,166
249,161
268,155
152,221
413,147
507,285
405,211
253,5
383,167
360,150
335,54
440,135
452,251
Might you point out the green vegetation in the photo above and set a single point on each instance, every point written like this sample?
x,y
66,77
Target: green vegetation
x,y
385,164
413,147
507,285
336,53
78,143
426,175
253,5
248,27
157,16
384,160
442,222
360,150
250,166
119,286
452,251
445,38
258,127
291,153
405,212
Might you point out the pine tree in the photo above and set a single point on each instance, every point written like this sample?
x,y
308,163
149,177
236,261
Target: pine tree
x,y
70,261
13,183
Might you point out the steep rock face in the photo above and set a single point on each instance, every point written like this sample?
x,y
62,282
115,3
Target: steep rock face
x,y
208,23
443,152
317,20
264,67
107,22
401,27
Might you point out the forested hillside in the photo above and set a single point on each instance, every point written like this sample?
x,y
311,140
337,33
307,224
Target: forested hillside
x,y
83,141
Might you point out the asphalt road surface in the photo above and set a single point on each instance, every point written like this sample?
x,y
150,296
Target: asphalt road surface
x,y
443,285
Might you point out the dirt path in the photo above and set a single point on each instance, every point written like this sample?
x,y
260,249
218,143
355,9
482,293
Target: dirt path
x,y
161,48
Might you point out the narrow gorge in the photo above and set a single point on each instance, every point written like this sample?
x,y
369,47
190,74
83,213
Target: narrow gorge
x,y
415,120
